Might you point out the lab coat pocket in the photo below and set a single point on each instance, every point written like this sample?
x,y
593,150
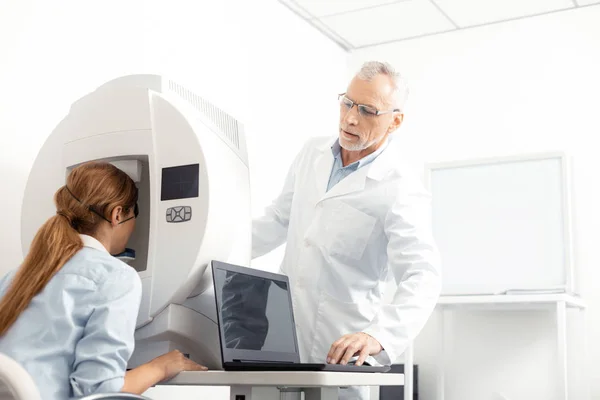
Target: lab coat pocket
x,y
347,230
336,318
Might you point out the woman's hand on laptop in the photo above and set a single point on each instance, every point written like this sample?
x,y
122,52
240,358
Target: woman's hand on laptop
x,y
174,362
356,344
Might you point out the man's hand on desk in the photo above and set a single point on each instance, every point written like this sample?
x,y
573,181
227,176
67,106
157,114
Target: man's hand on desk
x,y
356,344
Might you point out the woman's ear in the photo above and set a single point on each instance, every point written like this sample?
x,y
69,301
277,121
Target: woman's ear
x,y
116,216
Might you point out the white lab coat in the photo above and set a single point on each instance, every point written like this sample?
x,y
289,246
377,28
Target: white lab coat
x,y
341,246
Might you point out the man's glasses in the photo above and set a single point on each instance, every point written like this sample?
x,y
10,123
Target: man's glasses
x,y
364,110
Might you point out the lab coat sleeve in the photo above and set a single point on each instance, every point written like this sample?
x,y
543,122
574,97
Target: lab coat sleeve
x,y
102,354
414,260
270,230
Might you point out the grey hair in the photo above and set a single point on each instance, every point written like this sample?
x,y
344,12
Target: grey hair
x,y
370,69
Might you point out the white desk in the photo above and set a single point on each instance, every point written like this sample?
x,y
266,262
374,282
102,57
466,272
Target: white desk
x,y
270,385
557,302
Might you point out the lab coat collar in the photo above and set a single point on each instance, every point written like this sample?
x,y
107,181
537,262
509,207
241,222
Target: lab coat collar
x,y
336,149
327,145
355,182
386,162
376,170
90,241
322,168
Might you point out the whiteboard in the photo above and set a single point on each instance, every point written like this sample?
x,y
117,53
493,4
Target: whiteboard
x,y
502,224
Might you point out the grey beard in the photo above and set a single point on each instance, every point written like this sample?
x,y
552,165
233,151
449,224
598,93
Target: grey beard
x,y
356,146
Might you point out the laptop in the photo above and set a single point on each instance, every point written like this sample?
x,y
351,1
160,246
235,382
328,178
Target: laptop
x,y
257,330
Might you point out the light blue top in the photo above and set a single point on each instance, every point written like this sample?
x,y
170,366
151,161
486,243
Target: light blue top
x,y
76,336
339,172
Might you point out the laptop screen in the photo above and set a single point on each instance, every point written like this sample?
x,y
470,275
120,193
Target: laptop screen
x,y
255,315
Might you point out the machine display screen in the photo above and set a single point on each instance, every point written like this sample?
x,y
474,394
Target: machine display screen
x,y
180,182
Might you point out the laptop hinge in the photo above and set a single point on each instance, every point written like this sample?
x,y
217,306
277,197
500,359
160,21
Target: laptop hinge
x,y
262,361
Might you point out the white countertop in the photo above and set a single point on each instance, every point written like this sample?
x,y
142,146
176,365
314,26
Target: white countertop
x,y
286,378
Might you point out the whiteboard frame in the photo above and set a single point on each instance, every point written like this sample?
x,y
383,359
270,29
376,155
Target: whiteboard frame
x,y
571,285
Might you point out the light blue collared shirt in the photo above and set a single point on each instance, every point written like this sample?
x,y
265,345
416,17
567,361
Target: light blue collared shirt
x,y
339,172
77,335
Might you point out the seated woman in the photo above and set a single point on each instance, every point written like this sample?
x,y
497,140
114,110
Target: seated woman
x,y
68,314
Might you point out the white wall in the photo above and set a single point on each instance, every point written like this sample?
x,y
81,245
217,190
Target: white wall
x,y
519,87
294,76
54,52
255,60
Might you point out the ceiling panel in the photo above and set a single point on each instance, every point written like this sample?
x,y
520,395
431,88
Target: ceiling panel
x,y
587,2
476,12
387,23
320,8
